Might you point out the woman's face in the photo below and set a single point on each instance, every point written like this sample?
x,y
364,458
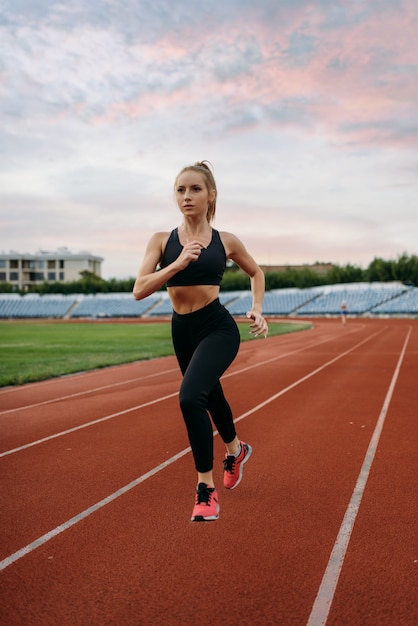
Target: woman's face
x,y
192,194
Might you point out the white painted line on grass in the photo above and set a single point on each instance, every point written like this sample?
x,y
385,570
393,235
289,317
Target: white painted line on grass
x,y
95,507
326,592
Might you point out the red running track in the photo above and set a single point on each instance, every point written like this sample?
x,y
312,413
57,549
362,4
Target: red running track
x,y
98,481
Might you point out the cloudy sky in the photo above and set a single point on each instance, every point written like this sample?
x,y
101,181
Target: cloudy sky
x,y
307,109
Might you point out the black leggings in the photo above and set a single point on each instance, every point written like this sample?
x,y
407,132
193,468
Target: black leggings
x,y
205,342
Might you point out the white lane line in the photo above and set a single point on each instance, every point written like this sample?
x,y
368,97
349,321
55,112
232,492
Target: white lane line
x,y
87,391
92,509
307,376
95,507
326,592
161,399
87,424
123,382
85,374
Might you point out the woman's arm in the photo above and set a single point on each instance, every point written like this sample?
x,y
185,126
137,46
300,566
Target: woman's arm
x,y
236,251
148,280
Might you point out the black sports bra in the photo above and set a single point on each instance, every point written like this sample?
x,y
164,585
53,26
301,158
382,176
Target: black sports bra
x,y
207,270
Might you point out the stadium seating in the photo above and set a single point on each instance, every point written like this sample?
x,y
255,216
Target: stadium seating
x,y
240,305
114,305
287,301
404,304
361,298
163,307
35,306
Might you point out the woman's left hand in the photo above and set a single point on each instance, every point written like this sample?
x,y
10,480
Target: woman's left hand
x,y
259,325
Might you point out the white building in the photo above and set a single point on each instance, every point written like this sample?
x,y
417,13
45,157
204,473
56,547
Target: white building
x,y
23,270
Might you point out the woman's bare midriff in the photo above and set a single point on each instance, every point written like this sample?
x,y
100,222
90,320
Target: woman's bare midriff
x,y
192,298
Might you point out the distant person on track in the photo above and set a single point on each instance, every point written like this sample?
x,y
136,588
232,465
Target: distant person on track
x,y
344,311
192,260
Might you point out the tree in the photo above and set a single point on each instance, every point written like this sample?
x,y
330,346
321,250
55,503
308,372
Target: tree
x,y
380,270
406,269
345,274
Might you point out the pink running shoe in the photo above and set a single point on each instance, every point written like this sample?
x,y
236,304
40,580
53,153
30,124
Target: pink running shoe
x,y
233,466
206,507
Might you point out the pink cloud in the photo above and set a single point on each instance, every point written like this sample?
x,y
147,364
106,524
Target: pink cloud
x,y
355,85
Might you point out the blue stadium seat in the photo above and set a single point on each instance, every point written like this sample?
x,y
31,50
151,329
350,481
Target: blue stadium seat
x,y
403,304
114,305
361,298
35,306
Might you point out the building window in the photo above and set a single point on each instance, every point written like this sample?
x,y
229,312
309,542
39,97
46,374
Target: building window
x,y
35,277
3,263
14,264
52,265
52,276
61,262
61,275
14,276
41,264
28,264
2,276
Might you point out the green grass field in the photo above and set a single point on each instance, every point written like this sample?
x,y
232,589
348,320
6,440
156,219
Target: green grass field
x,y
32,351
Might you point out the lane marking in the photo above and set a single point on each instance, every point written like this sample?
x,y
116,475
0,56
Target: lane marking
x,y
95,507
92,509
87,391
163,398
110,385
326,591
306,377
85,374
87,424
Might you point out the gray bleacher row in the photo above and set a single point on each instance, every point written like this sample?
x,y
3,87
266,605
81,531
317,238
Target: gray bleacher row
x,y
15,306
361,299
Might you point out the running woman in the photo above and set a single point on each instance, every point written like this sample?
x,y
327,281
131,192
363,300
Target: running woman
x,y
191,261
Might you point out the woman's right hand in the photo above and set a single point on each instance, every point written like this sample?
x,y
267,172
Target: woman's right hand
x,y
191,252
